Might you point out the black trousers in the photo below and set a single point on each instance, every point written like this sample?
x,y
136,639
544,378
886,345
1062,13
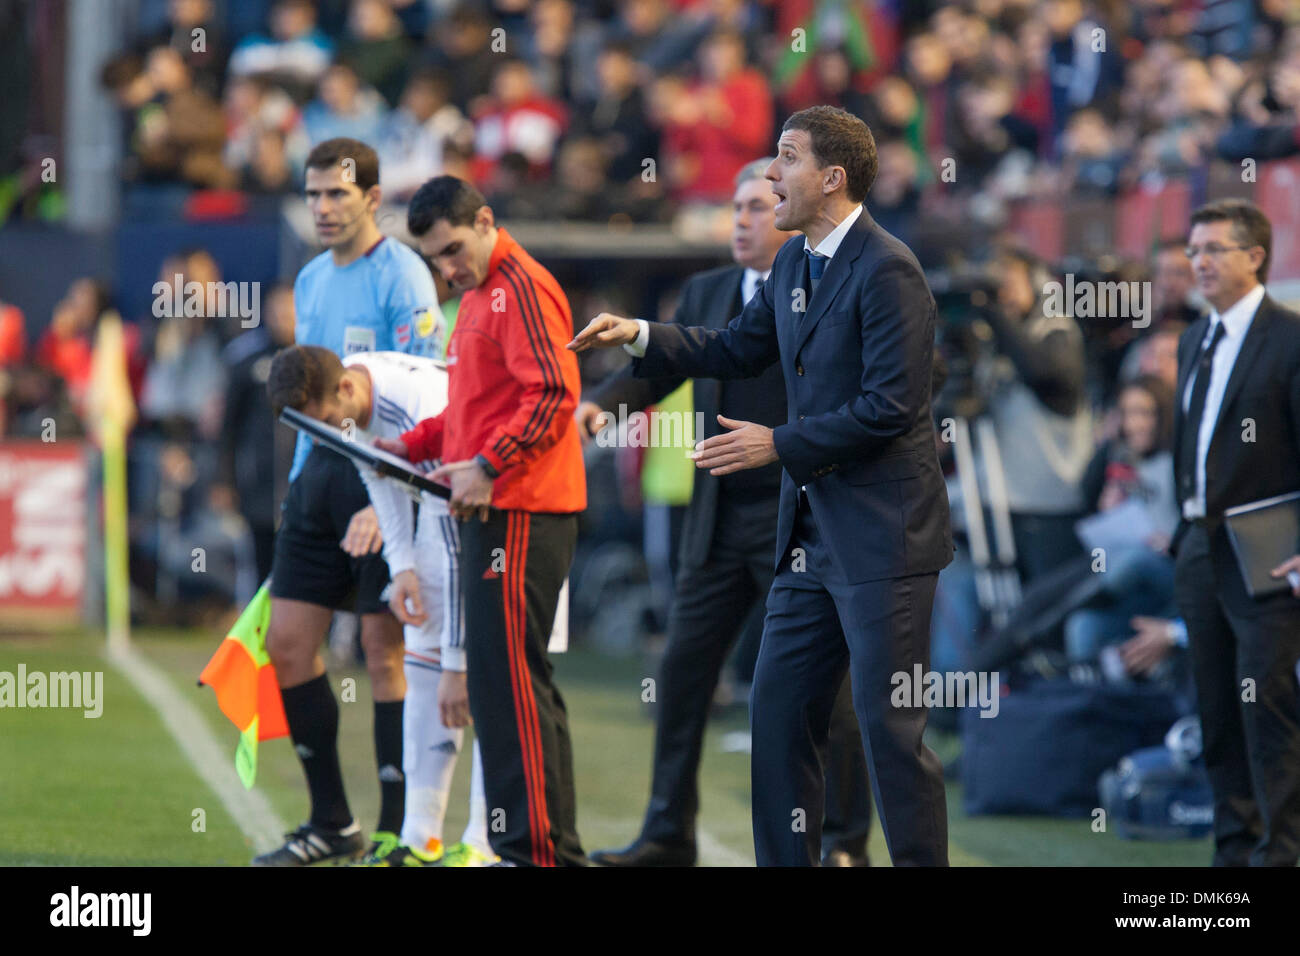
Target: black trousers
x,y
711,605
817,628
1244,655
512,569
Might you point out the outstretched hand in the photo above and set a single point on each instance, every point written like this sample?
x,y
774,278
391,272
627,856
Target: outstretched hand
x,y
744,445
605,331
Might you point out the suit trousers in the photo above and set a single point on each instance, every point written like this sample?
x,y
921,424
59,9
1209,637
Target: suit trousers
x,y
1244,656
711,605
512,568
818,627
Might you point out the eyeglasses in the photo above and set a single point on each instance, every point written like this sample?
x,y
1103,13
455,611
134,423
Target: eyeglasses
x,y
1212,249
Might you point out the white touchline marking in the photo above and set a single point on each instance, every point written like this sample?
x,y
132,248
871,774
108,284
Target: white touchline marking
x,y
250,809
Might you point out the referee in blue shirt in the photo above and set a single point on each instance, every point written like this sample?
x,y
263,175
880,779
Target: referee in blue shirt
x,y
365,292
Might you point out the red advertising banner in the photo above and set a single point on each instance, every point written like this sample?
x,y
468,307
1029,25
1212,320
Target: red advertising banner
x,y
43,521
1147,215
1278,194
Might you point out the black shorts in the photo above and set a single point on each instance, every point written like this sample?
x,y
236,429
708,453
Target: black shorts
x,y
309,565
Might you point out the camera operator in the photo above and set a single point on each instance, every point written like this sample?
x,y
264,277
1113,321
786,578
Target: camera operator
x,y
1034,387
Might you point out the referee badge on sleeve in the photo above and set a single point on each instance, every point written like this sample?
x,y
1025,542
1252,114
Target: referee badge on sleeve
x,y
425,323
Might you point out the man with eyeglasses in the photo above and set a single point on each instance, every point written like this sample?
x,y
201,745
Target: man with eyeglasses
x,y
1237,440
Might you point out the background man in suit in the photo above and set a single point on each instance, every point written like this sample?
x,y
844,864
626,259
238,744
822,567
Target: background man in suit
x,y
863,525
1237,440
728,538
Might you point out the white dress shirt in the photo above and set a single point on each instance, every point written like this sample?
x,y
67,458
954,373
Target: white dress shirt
x,y
831,244
1236,323
749,284
827,247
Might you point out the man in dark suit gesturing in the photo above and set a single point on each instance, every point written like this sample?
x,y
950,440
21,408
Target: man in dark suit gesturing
x,y
725,567
863,525
1237,440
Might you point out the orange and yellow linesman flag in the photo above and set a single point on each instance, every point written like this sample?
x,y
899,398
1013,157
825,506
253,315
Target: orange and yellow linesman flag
x,y
247,692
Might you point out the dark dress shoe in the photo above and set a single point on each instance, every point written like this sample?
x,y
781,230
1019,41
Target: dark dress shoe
x,y
646,853
845,858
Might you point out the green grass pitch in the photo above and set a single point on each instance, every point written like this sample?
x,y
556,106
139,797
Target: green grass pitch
x,y
117,790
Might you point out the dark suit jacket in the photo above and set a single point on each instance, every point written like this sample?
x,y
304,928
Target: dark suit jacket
x,y
710,299
857,367
1264,387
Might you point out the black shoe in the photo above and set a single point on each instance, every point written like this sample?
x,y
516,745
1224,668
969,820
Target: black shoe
x,y
646,853
845,858
311,844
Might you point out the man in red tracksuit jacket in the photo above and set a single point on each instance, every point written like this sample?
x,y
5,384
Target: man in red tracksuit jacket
x,y
513,456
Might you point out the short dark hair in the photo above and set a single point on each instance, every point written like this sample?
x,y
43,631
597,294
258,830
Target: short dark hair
x,y
300,375
1250,226
332,152
443,197
840,139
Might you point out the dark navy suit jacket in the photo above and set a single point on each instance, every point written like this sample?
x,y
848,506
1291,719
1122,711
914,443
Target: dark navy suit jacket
x,y
857,364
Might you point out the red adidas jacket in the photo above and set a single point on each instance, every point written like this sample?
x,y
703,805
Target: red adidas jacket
x,y
512,388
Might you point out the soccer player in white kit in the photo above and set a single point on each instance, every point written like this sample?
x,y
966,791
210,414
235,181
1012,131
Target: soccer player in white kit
x,y
381,395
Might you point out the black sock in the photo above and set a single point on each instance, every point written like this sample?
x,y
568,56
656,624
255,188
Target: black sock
x,y
388,757
313,717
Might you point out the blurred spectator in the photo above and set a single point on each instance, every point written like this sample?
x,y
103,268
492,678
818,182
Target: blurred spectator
x,y
1190,108
1092,158
517,119
464,52
1266,124
376,47
511,191
1135,470
1042,423
895,196
833,77
1174,306
13,334
718,123
618,116
66,346
659,37
254,107
343,108
1173,285
582,191
294,56
193,31
986,130
415,134
31,400
1157,354
548,47
256,451
185,379
1083,63
929,69
176,132
269,170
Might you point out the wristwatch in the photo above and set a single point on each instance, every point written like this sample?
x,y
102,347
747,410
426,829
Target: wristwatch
x,y
482,462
